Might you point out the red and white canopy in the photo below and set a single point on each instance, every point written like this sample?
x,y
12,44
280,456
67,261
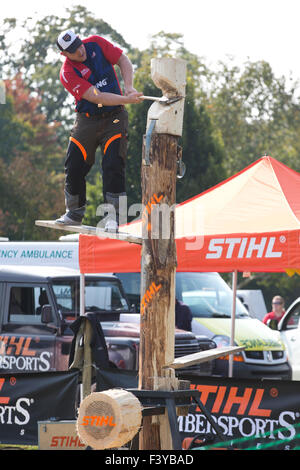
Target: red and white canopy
x,y
249,222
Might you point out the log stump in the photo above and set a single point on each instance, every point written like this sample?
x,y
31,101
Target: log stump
x,y
109,419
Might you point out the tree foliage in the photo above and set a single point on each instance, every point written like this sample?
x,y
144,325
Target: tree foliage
x,y
256,114
30,188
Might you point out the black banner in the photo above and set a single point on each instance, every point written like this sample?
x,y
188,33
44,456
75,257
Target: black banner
x,y
251,414
26,399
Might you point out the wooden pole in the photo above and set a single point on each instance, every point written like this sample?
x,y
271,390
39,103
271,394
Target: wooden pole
x,y
233,315
158,265
87,352
87,360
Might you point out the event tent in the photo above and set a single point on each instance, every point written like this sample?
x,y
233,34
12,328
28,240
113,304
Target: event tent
x,y
249,222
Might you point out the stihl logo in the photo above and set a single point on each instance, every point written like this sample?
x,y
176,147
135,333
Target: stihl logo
x,y
66,441
16,346
98,421
17,413
246,247
3,400
250,397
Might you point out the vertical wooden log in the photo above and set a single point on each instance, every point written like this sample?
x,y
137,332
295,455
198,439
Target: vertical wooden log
x,y
158,279
158,260
158,266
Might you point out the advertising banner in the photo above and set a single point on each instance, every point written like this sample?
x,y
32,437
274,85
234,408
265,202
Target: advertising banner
x,y
26,399
251,414
27,353
58,254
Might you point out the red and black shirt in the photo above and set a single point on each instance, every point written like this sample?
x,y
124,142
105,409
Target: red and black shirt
x,y
97,69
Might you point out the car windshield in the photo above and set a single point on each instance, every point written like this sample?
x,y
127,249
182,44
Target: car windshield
x,y
207,295
100,296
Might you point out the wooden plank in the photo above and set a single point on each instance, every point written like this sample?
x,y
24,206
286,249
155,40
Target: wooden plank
x,y
204,356
88,230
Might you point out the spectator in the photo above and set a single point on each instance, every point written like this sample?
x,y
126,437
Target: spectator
x,y
277,310
183,316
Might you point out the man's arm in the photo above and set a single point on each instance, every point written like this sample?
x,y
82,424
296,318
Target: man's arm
x,y
110,99
127,73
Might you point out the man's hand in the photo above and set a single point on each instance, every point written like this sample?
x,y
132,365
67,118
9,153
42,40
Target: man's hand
x,y
129,90
134,97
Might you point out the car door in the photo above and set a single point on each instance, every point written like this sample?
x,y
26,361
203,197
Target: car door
x,y
26,344
289,328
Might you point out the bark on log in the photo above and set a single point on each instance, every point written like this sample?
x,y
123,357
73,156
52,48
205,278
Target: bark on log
x,y
158,260
158,272
158,267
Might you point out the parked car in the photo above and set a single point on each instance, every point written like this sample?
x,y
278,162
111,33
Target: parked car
x,y
254,302
30,341
289,331
210,300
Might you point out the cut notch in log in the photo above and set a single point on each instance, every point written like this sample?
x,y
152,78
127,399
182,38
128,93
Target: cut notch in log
x,y
168,74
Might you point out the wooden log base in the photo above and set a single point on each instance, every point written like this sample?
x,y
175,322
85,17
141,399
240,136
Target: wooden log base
x,y
162,383
88,230
109,419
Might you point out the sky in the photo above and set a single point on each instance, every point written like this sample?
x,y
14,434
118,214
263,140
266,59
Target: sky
x,y
213,29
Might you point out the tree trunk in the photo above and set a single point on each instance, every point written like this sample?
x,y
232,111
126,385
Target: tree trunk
x,y
158,271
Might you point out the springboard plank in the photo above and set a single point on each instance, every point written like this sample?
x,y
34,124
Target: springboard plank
x,y
88,230
204,356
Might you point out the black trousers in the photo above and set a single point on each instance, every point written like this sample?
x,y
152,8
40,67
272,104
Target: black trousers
x,y
110,132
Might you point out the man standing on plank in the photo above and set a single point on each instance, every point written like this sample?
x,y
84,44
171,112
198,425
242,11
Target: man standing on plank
x,y
88,74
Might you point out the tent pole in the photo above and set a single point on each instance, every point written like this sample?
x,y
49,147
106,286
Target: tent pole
x,y
233,312
82,294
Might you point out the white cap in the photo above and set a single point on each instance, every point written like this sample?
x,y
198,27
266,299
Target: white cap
x,y
68,41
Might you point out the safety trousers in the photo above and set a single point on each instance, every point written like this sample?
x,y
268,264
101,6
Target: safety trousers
x,y
110,132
